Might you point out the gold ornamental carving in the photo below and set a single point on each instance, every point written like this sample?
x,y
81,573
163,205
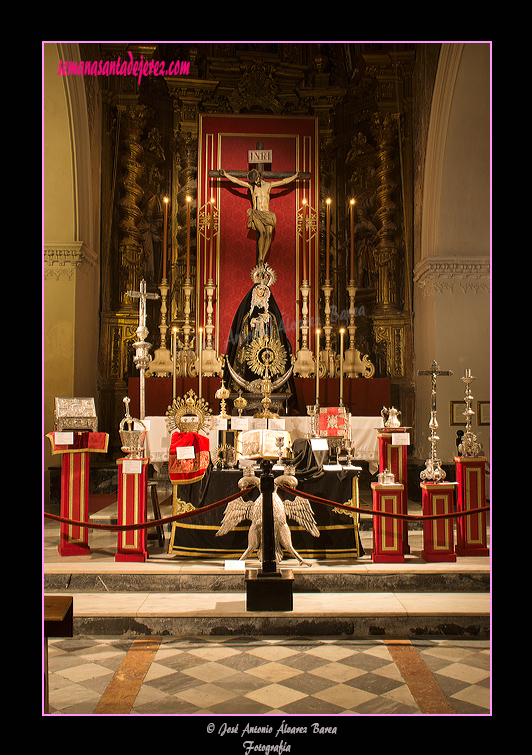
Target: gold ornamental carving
x,y
133,121
386,251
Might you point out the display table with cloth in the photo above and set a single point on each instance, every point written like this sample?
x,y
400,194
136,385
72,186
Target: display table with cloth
x,y
196,537
363,434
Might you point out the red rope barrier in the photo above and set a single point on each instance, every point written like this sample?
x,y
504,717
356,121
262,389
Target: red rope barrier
x,y
407,517
151,523
211,506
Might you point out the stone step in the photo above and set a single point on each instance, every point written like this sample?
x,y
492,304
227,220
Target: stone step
x,y
382,614
348,578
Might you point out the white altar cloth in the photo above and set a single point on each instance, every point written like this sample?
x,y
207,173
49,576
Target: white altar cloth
x,y
363,433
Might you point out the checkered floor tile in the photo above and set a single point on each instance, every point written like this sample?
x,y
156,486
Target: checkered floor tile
x,y
246,676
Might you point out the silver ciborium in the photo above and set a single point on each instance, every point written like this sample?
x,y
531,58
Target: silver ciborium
x,y
132,440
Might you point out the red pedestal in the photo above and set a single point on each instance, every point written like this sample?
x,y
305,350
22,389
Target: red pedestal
x,y
438,534
132,509
387,531
73,540
393,458
471,537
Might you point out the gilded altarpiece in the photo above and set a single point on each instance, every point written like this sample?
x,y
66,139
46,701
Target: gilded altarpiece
x,y
136,170
359,146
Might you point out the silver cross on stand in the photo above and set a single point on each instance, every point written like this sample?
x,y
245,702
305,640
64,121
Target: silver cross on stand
x,y
433,470
142,358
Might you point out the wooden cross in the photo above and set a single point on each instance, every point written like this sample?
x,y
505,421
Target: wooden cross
x,y
435,372
257,160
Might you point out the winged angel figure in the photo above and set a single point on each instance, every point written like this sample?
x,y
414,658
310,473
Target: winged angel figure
x,y
299,510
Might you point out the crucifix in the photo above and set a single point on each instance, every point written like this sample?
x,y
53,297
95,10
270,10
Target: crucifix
x,y
435,372
433,470
142,358
260,217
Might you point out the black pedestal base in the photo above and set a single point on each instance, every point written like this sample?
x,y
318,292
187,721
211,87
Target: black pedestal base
x,y
269,593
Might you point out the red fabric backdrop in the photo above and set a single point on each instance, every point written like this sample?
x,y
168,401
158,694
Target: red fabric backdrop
x,y
224,143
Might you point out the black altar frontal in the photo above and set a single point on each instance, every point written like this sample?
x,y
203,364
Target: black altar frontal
x,y
196,537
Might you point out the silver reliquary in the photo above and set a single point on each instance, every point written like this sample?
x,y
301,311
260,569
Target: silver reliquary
x,y
75,414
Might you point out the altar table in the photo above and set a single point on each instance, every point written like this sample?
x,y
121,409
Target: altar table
x,y
363,432
196,537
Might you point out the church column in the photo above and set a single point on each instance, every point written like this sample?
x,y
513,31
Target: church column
x,y
184,183
386,251
118,325
187,93
133,121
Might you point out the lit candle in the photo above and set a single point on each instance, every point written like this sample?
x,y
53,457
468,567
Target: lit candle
x,y
342,331
317,367
165,236
352,267
211,252
174,359
189,200
303,229
328,239
200,346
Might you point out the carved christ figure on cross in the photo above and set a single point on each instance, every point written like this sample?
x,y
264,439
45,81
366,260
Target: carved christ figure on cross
x,y
260,217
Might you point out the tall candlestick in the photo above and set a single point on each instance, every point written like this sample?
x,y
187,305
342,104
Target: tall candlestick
x,y
189,199
342,331
174,360
165,236
200,341
317,367
303,230
211,251
352,250
327,238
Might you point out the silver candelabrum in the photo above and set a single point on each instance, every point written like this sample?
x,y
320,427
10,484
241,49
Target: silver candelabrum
x,y
469,445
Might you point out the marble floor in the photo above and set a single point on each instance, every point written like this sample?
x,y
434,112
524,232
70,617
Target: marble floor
x,y
268,676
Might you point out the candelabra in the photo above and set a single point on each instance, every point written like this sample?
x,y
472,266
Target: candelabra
x,y
469,445
328,356
354,365
211,364
185,356
304,364
161,365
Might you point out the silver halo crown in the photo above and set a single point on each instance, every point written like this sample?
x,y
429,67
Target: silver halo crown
x,y
263,274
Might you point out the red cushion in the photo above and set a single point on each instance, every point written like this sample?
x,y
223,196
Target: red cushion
x,y
185,471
